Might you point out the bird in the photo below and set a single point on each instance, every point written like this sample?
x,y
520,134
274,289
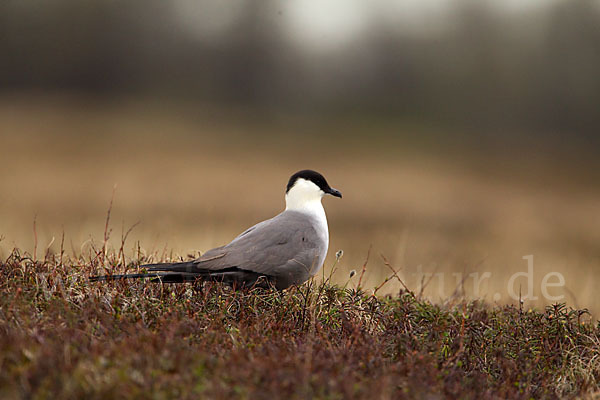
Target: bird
x,y
280,252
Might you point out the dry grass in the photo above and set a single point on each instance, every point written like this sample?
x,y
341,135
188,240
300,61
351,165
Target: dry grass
x,y
194,177
63,337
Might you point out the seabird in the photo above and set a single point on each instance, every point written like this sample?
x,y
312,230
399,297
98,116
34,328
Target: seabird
x,y
282,251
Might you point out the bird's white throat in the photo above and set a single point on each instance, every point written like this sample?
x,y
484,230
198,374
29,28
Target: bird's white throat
x,y
305,197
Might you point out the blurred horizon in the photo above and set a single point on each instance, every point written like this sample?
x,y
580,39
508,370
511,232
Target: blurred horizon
x,y
496,68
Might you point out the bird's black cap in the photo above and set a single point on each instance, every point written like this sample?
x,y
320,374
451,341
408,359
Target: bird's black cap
x,y
315,178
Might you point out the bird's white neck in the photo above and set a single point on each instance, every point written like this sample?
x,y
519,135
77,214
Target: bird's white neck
x,y
305,197
313,208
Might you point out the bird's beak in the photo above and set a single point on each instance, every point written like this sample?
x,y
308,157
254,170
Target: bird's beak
x,y
334,192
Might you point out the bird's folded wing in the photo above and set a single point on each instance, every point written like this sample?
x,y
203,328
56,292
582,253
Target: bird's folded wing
x,y
287,239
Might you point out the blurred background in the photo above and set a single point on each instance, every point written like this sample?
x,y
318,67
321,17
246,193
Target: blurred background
x,y
463,134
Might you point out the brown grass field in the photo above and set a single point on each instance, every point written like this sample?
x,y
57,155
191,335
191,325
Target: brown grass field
x,y
192,178
91,186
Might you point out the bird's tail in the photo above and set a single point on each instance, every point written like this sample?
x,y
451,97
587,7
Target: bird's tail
x,y
164,272
188,271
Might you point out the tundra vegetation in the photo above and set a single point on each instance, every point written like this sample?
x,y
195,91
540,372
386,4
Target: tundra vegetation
x,y
64,337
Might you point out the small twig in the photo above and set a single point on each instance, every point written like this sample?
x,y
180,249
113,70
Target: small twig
x,y
35,238
389,278
48,248
62,246
424,283
520,303
123,240
364,267
395,274
106,230
305,304
338,255
139,252
460,288
73,250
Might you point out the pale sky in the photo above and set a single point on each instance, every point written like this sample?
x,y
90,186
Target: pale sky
x,y
325,23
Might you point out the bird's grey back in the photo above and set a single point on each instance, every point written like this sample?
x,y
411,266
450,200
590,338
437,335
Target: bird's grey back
x,y
287,248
